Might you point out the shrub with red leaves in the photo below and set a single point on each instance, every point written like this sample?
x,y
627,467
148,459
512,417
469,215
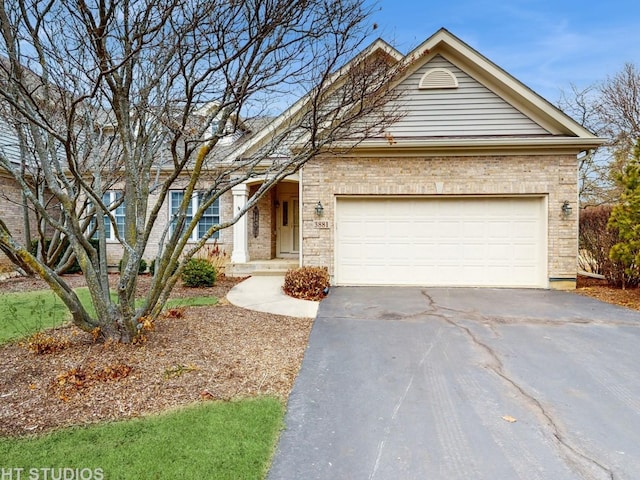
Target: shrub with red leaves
x,y
307,283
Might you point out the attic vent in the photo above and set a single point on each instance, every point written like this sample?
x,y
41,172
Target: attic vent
x,y
438,78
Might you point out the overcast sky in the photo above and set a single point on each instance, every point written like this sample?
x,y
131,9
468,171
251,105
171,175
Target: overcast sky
x,y
548,45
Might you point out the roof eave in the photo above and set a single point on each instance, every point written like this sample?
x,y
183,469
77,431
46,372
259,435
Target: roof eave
x,y
506,146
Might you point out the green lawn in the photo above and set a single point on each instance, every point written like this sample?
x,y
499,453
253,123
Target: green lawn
x,y
22,314
233,440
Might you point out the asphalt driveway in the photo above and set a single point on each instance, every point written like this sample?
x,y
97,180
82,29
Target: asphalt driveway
x,y
465,384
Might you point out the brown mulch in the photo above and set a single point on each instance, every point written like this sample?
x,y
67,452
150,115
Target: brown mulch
x,y
599,289
220,352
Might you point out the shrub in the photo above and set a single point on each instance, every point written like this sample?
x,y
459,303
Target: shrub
x,y
52,262
308,283
213,254
141,268
198,273
625,219
596,241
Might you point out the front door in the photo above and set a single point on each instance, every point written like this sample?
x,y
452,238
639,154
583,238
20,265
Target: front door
x,y
288,231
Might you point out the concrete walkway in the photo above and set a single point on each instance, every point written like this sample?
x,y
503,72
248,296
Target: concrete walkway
x,y
264,294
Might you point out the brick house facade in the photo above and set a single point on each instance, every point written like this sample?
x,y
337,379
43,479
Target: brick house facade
x,y
475,185
549,177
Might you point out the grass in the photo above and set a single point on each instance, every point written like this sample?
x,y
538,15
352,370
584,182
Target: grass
x,y
24,313
191,302
233,440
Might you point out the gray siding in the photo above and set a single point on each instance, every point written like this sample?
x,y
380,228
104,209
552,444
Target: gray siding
x,y
469,110
9,146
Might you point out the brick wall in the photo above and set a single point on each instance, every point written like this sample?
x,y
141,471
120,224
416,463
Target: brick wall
x,y
12,213
262,247
261,236
225,241
554,176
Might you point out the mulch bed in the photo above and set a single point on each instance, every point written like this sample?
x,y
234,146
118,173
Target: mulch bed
x,y
599,289
194,354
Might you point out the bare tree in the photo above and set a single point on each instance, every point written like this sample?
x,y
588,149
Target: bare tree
x,y
137,95
619,108
611,110
593,166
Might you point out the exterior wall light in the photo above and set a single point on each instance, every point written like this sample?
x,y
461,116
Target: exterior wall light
x,y
319,209
566,208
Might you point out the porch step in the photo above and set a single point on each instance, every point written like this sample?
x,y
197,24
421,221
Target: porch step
x,y
277,266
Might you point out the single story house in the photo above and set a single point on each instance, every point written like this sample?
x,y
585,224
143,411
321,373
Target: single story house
x,y
475,185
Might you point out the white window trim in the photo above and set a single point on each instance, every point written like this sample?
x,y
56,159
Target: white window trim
x,y
113,196
194,206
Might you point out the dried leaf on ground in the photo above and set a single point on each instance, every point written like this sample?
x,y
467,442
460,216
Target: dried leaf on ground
x,y
598,289
229,353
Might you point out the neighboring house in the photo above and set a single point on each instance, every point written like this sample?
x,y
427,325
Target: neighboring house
x,y
476,185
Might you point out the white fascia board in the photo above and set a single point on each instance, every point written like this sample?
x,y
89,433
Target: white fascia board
x,y
531,145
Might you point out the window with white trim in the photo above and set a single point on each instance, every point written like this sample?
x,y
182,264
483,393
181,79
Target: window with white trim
x,y
210,217
110,198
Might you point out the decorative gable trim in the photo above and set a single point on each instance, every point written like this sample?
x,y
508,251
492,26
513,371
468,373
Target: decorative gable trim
x,y
438,78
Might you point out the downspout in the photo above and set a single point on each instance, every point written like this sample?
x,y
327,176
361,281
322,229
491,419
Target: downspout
x,y
300,220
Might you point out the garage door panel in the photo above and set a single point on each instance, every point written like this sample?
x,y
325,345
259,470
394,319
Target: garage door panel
x,y
500,229
423,228
497,252
352,229
474,229
444,241
474,253
372,228
523,252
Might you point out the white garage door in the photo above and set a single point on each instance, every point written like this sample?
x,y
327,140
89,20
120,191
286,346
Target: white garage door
x,y
441,241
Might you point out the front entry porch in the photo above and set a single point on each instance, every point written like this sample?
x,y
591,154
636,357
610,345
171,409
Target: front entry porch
x,y
267,239
275,266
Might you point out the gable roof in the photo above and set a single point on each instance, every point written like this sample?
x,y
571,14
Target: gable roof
x,y
499,80
443,100
555,128
536,123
